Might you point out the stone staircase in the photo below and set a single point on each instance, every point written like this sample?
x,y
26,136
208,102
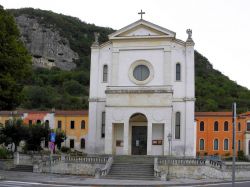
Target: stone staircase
x,y
22,168
132,168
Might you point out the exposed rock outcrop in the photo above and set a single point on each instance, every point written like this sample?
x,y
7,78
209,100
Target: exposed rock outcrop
x,y
45,44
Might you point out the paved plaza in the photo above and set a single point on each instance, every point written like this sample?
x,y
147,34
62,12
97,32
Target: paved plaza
x,y
21,179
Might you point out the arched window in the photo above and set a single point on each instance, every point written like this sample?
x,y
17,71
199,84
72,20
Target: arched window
x,y
226,146
239,126
216,144
225,126
178,71
202,126
202,144
82,143
82,124
105,73
239,145
216,126
177,125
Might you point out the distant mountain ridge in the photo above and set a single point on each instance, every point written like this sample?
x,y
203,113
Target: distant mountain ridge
x,y
214,91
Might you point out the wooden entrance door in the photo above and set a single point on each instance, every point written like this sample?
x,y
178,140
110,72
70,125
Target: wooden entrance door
x,y
139,140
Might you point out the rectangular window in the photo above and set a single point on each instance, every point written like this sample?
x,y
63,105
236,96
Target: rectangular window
x,y
177,125
239,146
30,122
82,143
72,143
239,126
82,124
72,124
59,124
103,125
202,146
248,126
226,146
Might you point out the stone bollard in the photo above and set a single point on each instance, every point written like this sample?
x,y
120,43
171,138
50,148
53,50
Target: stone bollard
x,y
16,158
163,177
97,173
36,168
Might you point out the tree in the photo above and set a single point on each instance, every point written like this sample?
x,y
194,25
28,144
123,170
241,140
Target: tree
x,y
37,133
13,132
15,62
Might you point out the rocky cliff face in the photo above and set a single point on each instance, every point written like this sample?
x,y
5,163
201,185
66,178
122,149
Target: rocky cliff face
x,y
45,44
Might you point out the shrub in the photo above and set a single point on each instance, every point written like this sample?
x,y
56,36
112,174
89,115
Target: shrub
x,y
65,149
4,153
241,156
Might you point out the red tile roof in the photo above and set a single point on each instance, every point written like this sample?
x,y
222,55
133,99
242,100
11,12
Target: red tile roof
x,y
209,114
10,113
34,117
71,112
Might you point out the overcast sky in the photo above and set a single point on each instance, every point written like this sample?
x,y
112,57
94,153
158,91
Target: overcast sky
x,y
221,28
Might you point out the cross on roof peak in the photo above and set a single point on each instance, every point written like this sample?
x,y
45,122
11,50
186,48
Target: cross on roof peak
x,y
141,13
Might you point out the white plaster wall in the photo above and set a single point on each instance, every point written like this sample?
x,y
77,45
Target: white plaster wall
x,y
178,56
186,144
95,143
128,57
118,135
157,134
123,114
50,118
105,58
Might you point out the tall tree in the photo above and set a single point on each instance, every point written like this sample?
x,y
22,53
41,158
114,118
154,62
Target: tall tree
x,y
15,62
13,132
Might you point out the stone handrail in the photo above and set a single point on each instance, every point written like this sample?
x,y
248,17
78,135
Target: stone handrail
x,y
104,171
157,172
52,160
82,159
238,166
216,164
181,161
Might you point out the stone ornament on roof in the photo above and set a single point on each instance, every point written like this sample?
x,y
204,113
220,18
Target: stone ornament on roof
x,y
96,42
189,39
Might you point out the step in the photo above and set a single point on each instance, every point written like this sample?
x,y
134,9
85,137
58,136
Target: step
x,y
130,178
24,168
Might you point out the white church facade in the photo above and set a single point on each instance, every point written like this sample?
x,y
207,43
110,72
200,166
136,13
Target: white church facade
x,y
142,93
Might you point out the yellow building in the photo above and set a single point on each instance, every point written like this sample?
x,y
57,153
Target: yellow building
x,y
75,125
7,115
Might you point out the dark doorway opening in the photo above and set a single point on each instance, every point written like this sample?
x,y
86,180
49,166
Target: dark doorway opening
x,y
139,140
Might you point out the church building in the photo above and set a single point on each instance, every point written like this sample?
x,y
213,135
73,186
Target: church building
x,y
142,98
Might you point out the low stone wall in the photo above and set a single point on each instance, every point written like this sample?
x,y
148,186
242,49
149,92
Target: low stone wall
x,y
202,172
70,168
76,165
6,164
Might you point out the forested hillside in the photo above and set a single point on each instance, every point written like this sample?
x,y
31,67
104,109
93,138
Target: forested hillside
x,y
56,88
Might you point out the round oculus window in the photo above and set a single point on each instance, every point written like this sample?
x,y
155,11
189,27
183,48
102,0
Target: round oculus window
x,y
141,72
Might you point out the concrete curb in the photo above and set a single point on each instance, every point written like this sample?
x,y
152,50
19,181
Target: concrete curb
x,y
121,183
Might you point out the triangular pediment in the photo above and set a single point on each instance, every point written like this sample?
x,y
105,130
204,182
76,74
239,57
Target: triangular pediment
x,y
141,29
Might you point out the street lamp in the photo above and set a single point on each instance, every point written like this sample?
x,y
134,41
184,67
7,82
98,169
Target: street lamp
x,y
169,144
